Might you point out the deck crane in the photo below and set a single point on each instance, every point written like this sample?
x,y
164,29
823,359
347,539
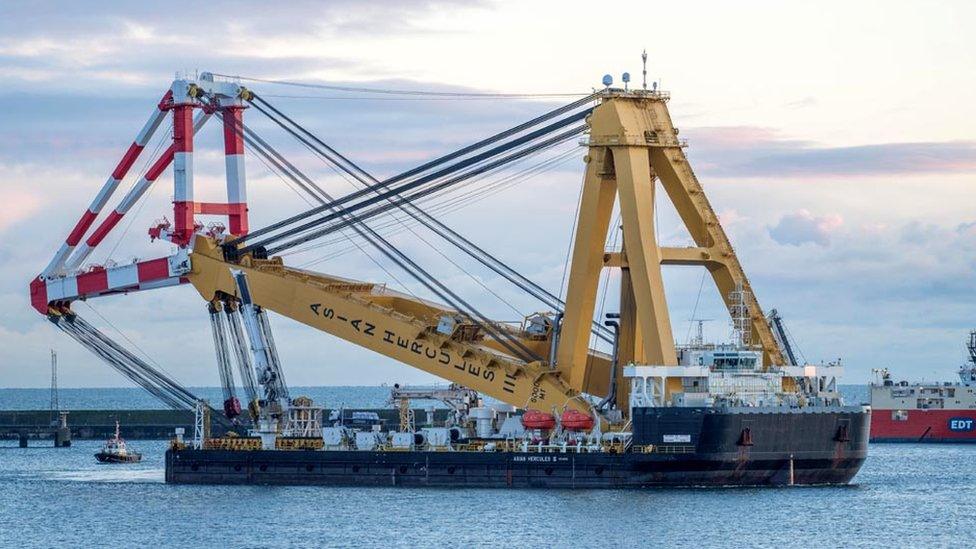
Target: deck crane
x,y
632,149
459,400
778,328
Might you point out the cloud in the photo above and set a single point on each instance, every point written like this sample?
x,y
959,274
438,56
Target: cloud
x,y
730,217
68,45
916,232
16,206
802,227
803,103
745,151
967,230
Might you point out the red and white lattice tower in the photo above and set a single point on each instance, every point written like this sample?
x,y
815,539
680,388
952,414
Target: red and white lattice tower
x,y
67,277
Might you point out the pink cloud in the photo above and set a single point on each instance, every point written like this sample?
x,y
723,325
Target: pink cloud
x,y
802,227
746,151
17,205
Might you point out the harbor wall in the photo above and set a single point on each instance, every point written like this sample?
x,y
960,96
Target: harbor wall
x,y
141,424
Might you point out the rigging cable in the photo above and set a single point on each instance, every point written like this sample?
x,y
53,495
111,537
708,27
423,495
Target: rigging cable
x,y
400,259
134,368
694,311
454,203
436,226
500,334
572,238
166,136
425,167
126,338
454,200
559,138
352,240
335,158
611,244
252,135
388,91
462,151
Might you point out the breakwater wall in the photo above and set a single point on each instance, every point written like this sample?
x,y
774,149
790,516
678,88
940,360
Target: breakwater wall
x,y
142,424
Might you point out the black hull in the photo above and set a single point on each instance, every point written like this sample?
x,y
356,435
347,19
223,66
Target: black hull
x,y
782,449
110,458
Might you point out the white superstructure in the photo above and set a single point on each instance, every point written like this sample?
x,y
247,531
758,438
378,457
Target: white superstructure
x,y
728,374
901,396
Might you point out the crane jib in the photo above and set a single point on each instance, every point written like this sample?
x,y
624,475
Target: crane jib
x,y
330,155
339,212
423,168
405,187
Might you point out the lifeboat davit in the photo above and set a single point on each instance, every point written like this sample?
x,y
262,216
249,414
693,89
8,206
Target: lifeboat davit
x,y
574,420
536,419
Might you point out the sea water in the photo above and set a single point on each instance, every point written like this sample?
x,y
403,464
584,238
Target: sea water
x,y
906,495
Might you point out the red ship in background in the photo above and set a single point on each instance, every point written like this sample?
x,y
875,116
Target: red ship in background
x,y
926,412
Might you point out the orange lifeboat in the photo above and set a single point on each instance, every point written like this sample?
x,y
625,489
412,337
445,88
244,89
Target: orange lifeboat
x,y
536,419
574,420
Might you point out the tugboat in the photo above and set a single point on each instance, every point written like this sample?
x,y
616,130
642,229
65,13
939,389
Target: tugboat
x,y
115,450
938,411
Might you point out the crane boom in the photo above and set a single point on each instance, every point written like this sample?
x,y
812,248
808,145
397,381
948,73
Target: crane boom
x,y
395,325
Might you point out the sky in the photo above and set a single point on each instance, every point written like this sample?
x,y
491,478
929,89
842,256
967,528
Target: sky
x,y
835,139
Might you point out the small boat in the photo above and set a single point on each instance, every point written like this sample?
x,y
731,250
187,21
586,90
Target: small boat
x,y
115,450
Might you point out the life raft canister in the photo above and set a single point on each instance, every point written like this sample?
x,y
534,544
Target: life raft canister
x,y
536,419
574,420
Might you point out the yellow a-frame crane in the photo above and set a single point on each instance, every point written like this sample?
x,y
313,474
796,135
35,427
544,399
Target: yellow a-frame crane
x,y
632,144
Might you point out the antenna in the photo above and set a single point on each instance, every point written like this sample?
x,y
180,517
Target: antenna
x,y
644,59
626,79
699,339
607,80
55,405
972,346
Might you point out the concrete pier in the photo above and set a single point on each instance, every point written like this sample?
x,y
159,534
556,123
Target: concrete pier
x,y
62,434
62,437
134,424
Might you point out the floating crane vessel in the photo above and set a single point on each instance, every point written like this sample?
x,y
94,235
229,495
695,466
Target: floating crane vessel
x,y
649,413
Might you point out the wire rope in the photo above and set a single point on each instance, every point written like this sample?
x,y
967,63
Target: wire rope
x,y
391,91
